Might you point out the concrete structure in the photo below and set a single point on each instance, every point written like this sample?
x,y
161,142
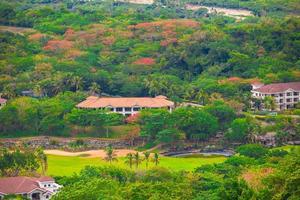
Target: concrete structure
x,y
126,105
41,188
286,95
2,102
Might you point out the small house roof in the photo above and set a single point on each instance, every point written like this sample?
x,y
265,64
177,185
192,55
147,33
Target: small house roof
x,y
2,100
21,184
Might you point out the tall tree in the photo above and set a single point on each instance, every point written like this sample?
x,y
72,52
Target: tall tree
x,y
156,159
110,154
202,97
147,156
269,103
129,159
94,89
137,159
76,82
42,158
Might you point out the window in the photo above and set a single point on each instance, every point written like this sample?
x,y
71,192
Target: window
x,y
48,185
296,99
47,196
281,101
136,109
119,109
45,185
288,94
273,95
111,109
127,109
281,95
288,100
296,93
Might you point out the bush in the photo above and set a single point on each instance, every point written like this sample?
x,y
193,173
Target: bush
x,y
240,161
252,150
277,153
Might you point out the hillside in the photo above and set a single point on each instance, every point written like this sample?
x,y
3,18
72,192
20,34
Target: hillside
x,y
150,99
126,50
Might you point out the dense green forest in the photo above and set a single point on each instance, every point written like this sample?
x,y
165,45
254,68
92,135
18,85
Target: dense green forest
x,y
55,53
141,50
67,50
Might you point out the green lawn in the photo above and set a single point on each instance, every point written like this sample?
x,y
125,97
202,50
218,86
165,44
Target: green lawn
x,y
288,147
65,166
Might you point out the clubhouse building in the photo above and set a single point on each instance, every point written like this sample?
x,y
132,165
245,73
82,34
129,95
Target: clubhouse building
x,y
126,106
33,188
286,95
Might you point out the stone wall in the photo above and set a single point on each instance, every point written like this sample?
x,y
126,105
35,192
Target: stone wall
x,y
66,143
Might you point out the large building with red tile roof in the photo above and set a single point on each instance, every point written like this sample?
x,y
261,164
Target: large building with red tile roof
x,y
126,105
286,95
41,188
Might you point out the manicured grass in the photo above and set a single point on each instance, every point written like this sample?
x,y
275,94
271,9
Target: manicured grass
x,y
288,147
66,166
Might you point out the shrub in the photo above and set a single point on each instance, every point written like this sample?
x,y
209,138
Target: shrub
x,y
252,150
277,153
240,161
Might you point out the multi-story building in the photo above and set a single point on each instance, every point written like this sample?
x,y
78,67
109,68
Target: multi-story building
x,y
286,95
126,105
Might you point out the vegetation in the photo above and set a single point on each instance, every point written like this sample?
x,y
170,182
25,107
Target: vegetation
x,y
239,177
95,47
54,54
26,162
67,165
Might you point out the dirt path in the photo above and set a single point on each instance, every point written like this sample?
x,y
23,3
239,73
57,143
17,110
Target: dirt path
x,y
236,13
89,154
146,2
18,30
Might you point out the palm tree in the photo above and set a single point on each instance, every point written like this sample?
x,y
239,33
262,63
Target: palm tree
x,y
9,91
42,158
147,156
38,91
110,154
253,131
137,159
76,82
94,88
156,159
58,85
202,97
129,160
269,103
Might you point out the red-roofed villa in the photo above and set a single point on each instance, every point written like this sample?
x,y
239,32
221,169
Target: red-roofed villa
x,y
126,105
41,188
286,95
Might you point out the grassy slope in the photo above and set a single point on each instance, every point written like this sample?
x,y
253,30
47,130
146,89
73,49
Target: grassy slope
x,y
63,165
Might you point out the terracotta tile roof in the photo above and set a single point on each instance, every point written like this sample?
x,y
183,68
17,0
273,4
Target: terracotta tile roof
x,y
45,179
279,87
103,102
21,184
2,100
